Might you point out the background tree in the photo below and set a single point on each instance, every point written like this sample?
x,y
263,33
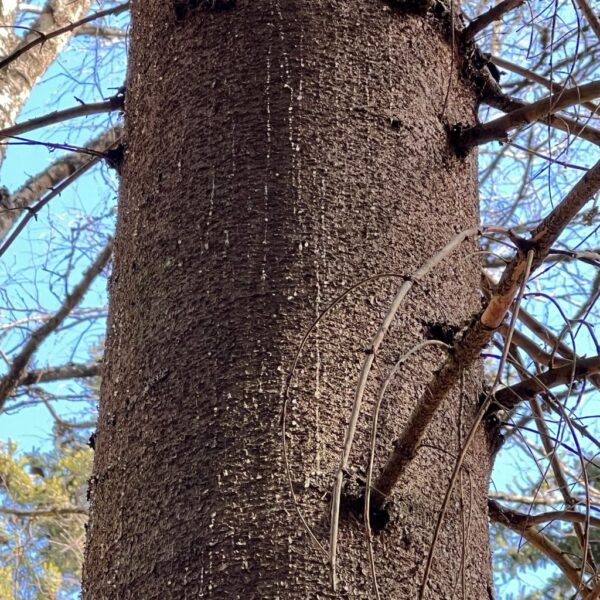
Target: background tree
x,y
521,181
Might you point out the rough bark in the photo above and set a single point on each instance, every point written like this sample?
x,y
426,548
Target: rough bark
x,y
276,154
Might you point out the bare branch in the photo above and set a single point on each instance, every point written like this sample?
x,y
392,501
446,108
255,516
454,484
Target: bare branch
x,y
49,512
430,264
18,78
45,36
12,208
487,18
590,15
17,369
543,237
563,123
32,212
498,128
72,371
535,77
81,110
509,397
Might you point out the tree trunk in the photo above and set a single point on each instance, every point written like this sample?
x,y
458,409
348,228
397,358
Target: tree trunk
x,y
277,153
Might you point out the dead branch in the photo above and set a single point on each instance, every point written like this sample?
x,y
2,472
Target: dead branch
x,y
32,212
498,128
17,369
510,397
553,86
43,37
487,18
590,15
58,116
362,382
19,77
12,208
542,238
563,123
49,512
72,371
474,426
582,533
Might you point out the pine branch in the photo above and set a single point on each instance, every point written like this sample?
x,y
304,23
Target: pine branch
x,y
515,521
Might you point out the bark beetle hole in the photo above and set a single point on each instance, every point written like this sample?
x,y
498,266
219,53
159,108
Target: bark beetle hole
x,y
443,332
455,138
355,505
395,123
183,8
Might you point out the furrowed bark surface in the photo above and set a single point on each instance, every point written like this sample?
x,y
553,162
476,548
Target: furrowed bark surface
x,y
276,154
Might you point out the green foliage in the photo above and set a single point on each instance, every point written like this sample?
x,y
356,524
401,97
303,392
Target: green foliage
x,y
43,499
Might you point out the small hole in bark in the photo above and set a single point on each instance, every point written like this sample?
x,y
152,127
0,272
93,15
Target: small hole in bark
x,y
114,157
395,123
355,506
455,138
443,332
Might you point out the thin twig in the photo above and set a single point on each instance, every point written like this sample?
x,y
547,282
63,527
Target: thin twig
x,y
366,369
81,110
475,425
17,369
44,37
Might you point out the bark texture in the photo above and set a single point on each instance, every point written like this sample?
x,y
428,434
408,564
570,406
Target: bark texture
x,y
278,152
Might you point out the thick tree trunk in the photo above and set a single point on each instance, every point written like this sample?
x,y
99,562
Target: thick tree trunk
x,y
278,152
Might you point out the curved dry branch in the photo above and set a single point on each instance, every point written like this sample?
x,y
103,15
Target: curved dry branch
x,y
430,264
